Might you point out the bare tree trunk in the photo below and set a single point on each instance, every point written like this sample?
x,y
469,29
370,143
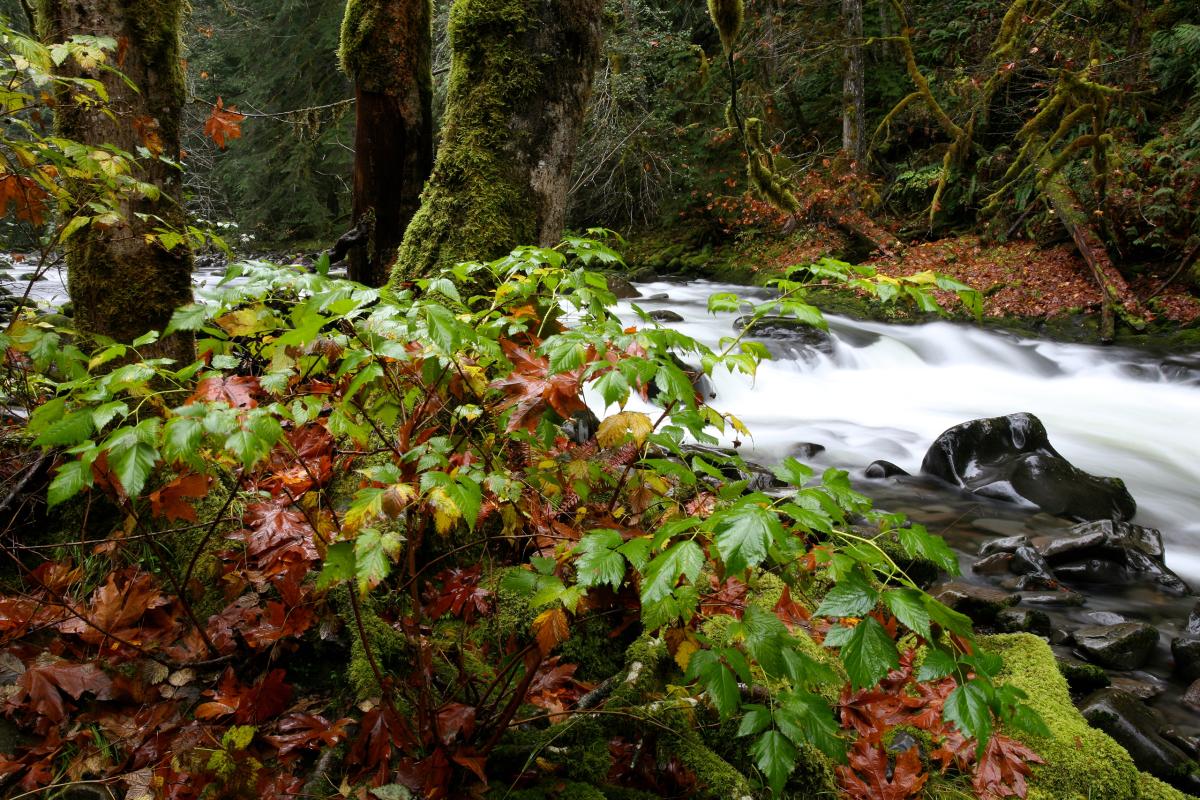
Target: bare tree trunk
x,y
122,284
520,78
854,142
387,50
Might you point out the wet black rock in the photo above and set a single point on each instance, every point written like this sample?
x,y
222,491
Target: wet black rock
x,y
1008,544
1111,552
1136,728
735,468
980,603
1186,652
1010,458
621,288
1027,561
1023,620
1193,622
1063,598
787,329
883,469
807,449
582,426
995,564
1127,645
1191,697
1143,689
666,315
660,296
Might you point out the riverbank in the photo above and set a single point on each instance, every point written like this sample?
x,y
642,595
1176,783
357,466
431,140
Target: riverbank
x,y
1057,300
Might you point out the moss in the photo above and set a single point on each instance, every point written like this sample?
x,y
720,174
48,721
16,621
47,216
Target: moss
x,y
1081,762
589,646
386,47
389,647
1082,677
1151,788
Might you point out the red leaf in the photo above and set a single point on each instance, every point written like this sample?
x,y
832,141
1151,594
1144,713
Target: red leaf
x,y
1003,769
278,622
531,389
307,732
119,607
171,500
223,123
267,698
866,777
456,718
238,391
45,684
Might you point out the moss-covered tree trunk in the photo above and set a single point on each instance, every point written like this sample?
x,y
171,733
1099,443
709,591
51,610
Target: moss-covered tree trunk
x,y
854,102
121,284
386,50
520,77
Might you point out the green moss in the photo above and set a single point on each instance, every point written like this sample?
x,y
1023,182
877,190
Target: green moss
x,y
390,649
1081,762
590,647
386,47
1082,677
1151,788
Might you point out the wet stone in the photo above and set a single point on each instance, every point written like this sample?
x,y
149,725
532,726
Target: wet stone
x,y
1061,636
1009,544
1126,645
1094,570
1064,598
1082,677
1193,622
1191,697
1186,652
666,315
883,469
1106,618
980,603
1023,620
1136,728
995,564
1141,689
807,449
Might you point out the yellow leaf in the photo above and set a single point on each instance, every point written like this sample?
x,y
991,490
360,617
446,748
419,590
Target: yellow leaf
x,y
738,425
551,628
445,511
627,424
683,654
247,321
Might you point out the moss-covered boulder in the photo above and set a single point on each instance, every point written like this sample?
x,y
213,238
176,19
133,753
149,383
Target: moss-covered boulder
x,y
1082,763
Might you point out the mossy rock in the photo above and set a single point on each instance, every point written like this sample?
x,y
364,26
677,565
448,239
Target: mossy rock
x,y
1081,762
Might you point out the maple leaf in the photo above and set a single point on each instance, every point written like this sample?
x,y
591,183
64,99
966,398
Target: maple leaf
x,y
302,461
25,195
554,687
531,389
276,538
460,594
380,732
866,777
789,612
1003,769
223,124
307,732
119,608
267,698
278,622
147,129
171,500
455,718
551,628
45,684
238,391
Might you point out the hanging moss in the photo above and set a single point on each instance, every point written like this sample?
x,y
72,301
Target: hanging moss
x,y
728,16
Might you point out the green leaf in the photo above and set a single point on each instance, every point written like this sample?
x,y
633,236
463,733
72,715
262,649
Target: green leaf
x,y
373,555
108,412
744,534
793,472
71,479
909,608
764,631
756,720
953,621
132,464
775,756
339,565
919,543
937,664
181,439
636,552
680,559
806,718
719,682
443,328
599,562
187,318
869,653
967,708
613,387
70,430
851,597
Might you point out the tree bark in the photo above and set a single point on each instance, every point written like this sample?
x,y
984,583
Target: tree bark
x,y
854,142
387,50
122,284
520,78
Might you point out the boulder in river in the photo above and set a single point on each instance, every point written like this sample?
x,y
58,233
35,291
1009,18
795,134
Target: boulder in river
x,y
1111,552
1010,458
787,330
1126,645
621,288
883,469
666,315
980,603
1186,652
1136,728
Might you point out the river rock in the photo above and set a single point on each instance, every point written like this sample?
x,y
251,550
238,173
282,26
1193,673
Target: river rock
x,y
621,288
995,564
734,467
883,469
980,603
787,329
807,449
1010,458
1147,689
1193,623
1126,645
666,315
1136,728
1008,544
1107,551
1064,598
1023,620
1186,652
1191,697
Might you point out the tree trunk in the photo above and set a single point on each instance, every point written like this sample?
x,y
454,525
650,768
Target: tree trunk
x,y
520,77
121,284
387,51
854,142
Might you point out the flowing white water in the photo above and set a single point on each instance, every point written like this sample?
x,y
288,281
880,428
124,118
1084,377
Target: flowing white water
x,y
889,390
